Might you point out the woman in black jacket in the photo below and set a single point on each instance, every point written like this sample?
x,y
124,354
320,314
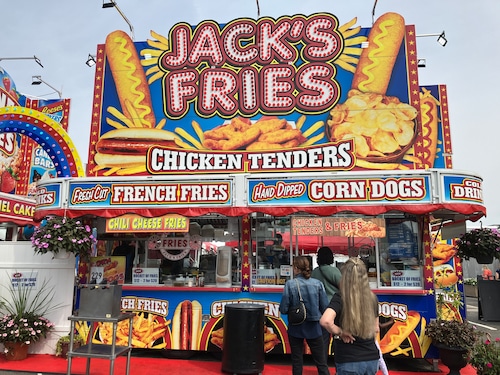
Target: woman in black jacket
x,y
352,316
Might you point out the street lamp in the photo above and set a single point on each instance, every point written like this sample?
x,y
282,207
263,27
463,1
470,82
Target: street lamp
x,y
441,37
113,4
373,11
37,80
37,60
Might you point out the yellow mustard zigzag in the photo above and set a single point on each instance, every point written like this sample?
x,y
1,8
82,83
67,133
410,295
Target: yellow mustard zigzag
x,y
373,55
142,110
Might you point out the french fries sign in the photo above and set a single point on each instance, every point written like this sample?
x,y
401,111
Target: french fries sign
x,y
252,95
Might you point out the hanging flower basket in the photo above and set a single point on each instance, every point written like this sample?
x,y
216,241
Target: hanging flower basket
x,y
484,259
481,243
63,235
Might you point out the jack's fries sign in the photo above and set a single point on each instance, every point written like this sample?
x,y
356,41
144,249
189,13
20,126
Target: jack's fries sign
x,y
297,93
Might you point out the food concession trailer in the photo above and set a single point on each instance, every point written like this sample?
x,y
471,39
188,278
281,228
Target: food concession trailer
x,y
223,150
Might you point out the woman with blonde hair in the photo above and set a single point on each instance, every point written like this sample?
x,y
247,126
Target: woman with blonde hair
x,y
314,296
352,316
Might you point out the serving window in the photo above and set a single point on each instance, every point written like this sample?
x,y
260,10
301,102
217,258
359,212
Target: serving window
x,y
270,254
199,252
178,257
400,254
389,246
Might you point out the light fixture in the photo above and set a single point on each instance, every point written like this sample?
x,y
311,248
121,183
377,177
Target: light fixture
x,y
421,63
113,4
37,80
91,60
441,37
37,60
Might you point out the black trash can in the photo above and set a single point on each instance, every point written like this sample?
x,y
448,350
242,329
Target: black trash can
x,y
243,348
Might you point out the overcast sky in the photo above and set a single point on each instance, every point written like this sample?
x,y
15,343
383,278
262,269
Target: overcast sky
x,y
62,33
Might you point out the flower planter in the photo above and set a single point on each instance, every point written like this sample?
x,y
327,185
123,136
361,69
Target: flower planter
x,y
65,348
16,351
454,358
470,290
61,254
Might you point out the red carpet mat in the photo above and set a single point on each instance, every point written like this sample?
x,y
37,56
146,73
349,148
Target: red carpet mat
x,y
139,365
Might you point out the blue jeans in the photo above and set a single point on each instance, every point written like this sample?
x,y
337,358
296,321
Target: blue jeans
x,y
318,353
357,368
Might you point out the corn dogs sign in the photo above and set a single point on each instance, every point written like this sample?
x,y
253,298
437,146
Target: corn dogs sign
x,y
232,98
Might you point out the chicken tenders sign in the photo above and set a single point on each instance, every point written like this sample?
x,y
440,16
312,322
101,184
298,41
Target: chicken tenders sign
x,y
232,98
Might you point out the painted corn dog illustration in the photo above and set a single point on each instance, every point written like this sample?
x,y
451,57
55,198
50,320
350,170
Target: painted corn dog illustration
x,y
376,62
130,79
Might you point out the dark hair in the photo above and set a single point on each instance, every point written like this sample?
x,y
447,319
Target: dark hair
x,y
325,255
303,265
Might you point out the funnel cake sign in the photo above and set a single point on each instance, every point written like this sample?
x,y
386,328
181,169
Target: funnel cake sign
x,y
249,90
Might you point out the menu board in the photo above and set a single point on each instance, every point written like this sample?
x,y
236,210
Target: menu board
x,y
402,239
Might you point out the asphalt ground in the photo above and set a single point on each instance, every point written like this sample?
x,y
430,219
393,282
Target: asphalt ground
x,y
493,328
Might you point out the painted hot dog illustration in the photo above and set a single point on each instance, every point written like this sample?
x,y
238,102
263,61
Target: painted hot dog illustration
x,y
128,147
376,62
430,121
186,326
399,331
444,276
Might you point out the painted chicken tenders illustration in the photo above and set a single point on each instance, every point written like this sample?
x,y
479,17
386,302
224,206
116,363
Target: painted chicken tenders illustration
x,y
270,338
266,133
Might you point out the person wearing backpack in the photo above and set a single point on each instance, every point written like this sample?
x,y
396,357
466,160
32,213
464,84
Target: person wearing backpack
x,y
312,293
